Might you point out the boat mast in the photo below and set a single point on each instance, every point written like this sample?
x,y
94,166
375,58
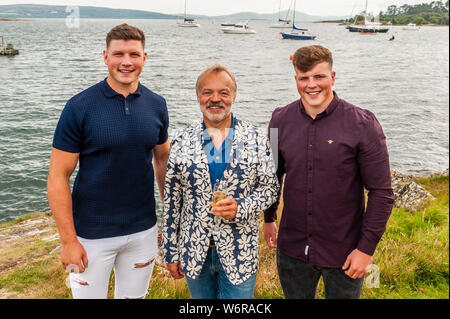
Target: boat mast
x,y
185,10
293,17
289,10
365,13
279,12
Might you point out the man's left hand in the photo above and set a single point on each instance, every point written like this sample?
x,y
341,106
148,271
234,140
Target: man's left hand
x,y
357,264
226,208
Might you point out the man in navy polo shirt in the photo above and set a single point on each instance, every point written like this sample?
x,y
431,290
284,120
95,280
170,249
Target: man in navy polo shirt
x,y
328,151
117,131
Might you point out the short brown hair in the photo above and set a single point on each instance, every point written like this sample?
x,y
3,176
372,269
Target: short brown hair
x,y
125,32
308,57
216,68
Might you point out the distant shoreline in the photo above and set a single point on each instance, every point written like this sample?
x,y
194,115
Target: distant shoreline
x,y
8,19
342,22
13,19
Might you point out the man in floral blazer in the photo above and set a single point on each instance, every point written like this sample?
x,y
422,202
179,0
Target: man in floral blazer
x,y
216,247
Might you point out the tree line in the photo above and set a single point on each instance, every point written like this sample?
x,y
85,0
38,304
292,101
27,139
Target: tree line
x,y
435,12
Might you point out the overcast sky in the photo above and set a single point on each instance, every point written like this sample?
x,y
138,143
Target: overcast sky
x,y
222,7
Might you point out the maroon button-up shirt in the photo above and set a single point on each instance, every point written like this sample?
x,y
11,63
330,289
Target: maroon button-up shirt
x,y
327,162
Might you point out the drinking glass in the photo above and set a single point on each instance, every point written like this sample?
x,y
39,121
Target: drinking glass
x,y
219,193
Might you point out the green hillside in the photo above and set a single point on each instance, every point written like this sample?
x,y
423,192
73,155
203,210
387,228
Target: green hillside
x,y
45,12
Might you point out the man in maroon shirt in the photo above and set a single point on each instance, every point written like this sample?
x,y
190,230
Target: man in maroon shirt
x,y
328,151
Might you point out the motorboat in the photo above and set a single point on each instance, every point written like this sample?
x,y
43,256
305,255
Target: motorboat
x,y
8,50
238,28
227,24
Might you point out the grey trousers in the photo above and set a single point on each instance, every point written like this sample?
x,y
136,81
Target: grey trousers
x,y
299,280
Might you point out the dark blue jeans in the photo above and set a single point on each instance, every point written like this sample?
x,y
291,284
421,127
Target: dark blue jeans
x,y
212,283
299,280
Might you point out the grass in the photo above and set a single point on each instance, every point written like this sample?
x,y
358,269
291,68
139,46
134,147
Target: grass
x,y
413,253
412,256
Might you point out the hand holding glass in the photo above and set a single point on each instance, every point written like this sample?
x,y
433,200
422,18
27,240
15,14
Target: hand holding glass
x,y
219,193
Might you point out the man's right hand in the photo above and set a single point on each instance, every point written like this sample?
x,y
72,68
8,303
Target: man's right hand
x,y
270,234
74,257
175,270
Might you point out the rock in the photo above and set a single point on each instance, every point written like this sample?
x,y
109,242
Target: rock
x,y
398,177
444,173
56,250
51,238
35,227
408,194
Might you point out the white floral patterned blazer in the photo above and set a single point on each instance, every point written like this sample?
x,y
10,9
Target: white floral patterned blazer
x,y
187,221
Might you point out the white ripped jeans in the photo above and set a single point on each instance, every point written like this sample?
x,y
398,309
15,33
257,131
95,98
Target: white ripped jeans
x,y
132,257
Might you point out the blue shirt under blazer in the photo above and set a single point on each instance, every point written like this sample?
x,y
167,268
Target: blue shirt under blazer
x,y
187,221
218,159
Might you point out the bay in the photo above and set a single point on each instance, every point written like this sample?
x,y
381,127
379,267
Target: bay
x,y
404,82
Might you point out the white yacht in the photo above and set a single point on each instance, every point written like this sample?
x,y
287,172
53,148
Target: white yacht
x,y
239,28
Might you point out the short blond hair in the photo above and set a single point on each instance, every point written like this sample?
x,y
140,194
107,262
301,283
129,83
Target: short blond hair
x,y
216,68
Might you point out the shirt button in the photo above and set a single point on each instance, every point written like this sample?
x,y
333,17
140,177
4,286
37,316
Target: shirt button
x,y
309,190
309,213
309,235
310,168
310,145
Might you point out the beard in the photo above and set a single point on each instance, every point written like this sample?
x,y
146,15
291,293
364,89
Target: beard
x,y
216,118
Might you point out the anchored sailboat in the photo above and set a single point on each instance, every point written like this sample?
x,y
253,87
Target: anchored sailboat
x,y
187,22
368,26
297,33
282,23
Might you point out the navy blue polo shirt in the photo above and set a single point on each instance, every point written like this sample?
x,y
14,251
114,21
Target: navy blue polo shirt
x,y
113,193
